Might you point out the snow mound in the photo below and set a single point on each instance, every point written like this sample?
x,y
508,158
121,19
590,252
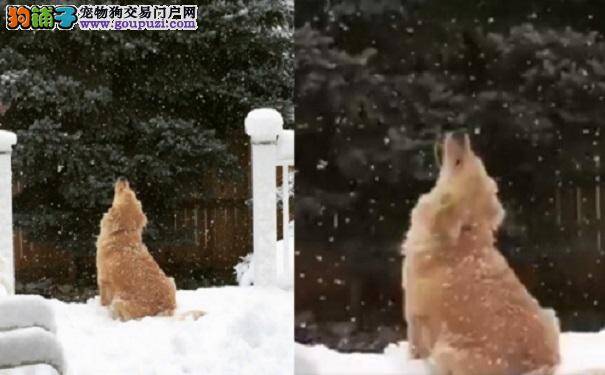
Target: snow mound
x,y
263,124
581,354
245,331
244,271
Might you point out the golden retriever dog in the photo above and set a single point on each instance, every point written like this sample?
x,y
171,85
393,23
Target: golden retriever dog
x,y
130,281
465,308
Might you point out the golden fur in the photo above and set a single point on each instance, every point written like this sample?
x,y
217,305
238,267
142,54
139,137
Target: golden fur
x,y
464,305
130,281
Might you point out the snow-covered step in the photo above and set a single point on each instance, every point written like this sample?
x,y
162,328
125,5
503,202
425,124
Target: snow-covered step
x,y
21,311
30,346
27,333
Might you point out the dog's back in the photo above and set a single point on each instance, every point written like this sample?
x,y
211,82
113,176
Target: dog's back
x,y
474,305
141,287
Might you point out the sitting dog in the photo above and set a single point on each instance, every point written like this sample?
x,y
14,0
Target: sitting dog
x,y
464,306
130,281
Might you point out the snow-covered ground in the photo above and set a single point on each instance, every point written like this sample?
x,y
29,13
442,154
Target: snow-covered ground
x,y
245,331
582,354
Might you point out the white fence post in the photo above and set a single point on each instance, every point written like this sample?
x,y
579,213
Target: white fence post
x,y
7,262
285,156
263,126
285,188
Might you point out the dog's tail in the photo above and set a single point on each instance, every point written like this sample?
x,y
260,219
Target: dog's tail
x,y
193,314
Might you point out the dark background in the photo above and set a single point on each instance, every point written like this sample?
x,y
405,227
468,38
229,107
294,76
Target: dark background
x,y
377,82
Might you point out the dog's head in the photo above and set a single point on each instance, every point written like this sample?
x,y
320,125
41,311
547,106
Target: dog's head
x,y
126,212
464,197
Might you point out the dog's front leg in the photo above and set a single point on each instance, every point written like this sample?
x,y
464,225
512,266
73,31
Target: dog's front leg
x,y
106,293
418,304
418,339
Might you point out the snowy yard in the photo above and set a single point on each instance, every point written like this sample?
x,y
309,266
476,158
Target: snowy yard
x,y
582,354
246,330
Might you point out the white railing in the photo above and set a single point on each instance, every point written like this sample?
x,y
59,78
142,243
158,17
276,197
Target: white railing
x,y
27,323
7,261
272,146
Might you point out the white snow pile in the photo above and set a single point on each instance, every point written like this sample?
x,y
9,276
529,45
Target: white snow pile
x,y
244,270
582,354
263,123
244,331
